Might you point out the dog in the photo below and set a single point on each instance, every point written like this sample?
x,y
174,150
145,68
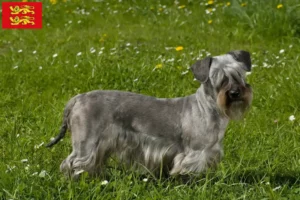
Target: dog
x,y
179,135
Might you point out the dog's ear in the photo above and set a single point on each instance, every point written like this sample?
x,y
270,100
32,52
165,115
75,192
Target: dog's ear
x,y
242,56
201,69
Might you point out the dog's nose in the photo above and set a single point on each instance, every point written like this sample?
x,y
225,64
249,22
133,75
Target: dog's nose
x,y
234,94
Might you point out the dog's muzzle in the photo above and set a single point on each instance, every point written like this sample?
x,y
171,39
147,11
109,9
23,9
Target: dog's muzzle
x,y
239,93
234,100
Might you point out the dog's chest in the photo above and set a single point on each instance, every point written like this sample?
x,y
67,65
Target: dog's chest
x,y
201,132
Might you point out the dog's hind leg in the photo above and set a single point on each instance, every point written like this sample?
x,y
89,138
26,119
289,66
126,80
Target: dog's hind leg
x,y
91,147
82,159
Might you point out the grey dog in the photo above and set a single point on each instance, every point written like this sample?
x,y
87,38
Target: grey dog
x,y
179,135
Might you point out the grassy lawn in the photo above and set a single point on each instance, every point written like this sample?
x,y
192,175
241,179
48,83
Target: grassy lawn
x,y
131,45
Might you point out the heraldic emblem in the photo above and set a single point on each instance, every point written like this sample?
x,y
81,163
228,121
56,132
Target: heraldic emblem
x,y
21,15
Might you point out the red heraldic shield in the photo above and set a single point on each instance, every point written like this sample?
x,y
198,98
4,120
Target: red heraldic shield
x,y
21,15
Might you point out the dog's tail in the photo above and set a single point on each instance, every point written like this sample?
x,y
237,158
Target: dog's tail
x,y
64,126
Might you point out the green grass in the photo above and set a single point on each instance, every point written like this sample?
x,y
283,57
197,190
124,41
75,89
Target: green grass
x,y
262,152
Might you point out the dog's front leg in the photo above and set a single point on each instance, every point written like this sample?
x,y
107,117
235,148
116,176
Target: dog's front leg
x,y
195,161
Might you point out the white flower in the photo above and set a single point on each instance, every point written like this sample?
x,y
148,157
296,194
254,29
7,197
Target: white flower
x,y
70,22
79,21
27,167
145,179
170,60
135,80
40,67
20,51
10,168
277,188
92,50
75,65
281,51
38,145
16,67
79,172
265,65
105,182
42,173
185,72
34,174
169,48
292,118
24,160
34,52
18,135
248,73
291,46
79,54
54,55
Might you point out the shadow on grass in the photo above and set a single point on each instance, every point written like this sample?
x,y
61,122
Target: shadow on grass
x,y
246,177
252,176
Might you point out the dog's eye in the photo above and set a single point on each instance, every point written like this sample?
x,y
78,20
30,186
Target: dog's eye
x,y
225,81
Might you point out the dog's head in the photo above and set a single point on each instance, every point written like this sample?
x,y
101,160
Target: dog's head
x,y
224,79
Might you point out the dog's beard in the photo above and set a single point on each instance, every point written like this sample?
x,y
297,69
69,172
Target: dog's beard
x,y
234,110
237,109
